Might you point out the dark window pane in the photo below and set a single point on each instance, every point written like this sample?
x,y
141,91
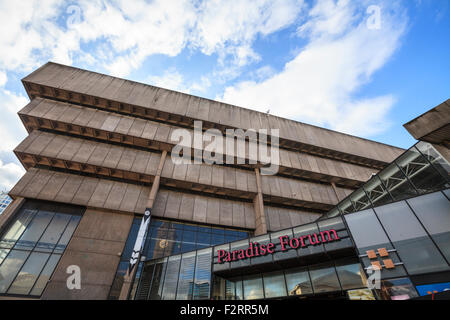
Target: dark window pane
x,y
34,230
45,275
368,234
274,285
203,240
253,287
324,278
217,239
298,282
53,232
230,290
29,273
65,238
351,275
397,183
189,241
158,279
433,210
436,159
144,282
10,267
397,289
414,247
420,172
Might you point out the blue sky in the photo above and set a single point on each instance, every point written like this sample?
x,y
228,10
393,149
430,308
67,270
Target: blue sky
x,y
361,67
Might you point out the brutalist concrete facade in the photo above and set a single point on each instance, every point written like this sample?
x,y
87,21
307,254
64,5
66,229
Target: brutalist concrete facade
x,y
96,141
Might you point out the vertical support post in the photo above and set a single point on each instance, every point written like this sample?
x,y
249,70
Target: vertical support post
x,y
260,217
137,251
333,185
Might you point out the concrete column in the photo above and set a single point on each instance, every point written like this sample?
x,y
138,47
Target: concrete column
x,y
128,278
260,217
333,185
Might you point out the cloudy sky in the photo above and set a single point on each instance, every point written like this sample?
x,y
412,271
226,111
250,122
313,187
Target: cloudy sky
x,y
360,67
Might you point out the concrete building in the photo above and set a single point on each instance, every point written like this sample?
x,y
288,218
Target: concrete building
x,y
98,154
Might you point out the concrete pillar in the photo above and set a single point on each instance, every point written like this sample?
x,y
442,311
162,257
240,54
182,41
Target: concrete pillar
x,y
128,278
260,217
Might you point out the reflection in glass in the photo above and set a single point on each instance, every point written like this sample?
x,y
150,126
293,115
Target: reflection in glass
x,y
17,228
158,279
37,227
29,273
433,210
171,279
324,278
186,276
351,275
202,279
34,230
10,267
413,245
274,285
397,289
298,282
253,287
45,275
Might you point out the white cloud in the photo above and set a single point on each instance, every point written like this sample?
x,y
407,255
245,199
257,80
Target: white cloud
x,y
320,84
124,35
10,173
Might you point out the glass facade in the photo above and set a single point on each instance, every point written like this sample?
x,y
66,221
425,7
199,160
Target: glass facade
x,y
5,200
32,245
167,238
328,277
419,170
415,232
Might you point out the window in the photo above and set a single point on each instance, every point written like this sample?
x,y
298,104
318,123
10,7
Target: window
x,y
166,238
351,275
202,279
397,183
324,278
274,285
433,210
298,282
420,172
397,289
413,245
32,246
253,287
